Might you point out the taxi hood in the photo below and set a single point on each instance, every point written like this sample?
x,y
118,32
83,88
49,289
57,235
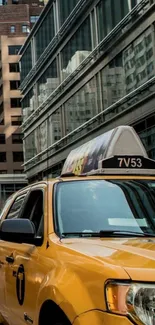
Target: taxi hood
x,y
136,256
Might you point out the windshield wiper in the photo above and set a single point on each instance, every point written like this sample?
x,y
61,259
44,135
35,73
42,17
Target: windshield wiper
x,y
107,233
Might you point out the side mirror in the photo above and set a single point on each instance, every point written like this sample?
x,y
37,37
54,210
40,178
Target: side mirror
x,y
17,230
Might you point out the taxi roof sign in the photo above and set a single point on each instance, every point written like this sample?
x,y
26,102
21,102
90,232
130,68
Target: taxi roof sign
x,y
101,152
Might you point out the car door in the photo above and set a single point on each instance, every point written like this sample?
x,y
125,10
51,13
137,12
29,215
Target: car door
x,y
14,206
25,273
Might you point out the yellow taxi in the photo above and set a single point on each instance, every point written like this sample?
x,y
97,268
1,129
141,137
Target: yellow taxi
x,y
80,249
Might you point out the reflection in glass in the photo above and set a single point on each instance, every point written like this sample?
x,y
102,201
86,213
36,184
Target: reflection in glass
x,y
48,82
30,145
54,127
26,63
77,49
29,104
42,139
113,82
110,13
45,33
65,8
127,205
81,107
138,61
130,69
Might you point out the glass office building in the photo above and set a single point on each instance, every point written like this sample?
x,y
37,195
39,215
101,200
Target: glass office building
x,y
86,67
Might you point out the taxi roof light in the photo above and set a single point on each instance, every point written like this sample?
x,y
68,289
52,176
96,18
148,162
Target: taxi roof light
x,y
119,148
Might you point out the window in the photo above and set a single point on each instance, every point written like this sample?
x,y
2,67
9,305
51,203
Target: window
x,y
45,33
77,49
81,107
15,102
109,14
2,171
14,49
18,156
14,84
5,206
25,29
13,67
26,63
49,81
65,8
2,138
18,171
2,157
34,210
128,211
16,120
17,138
33,19
16,208
12,29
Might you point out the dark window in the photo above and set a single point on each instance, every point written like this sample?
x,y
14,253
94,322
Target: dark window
x,y
33,19
34,210
14,67
12,29
18,156
17,138
2,156
16,208
45,33
14,84
2,138
15,102
2,171
1,90
16,120
65,8
14,49
18,171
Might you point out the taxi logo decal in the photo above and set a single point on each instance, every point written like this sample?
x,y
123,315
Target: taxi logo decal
x,y
20,284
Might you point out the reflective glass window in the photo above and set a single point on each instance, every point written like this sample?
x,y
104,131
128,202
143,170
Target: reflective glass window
x,y
110,13
26,63
48,82
128,70
45,33
65,8
77,49
29,104
81,107
30,146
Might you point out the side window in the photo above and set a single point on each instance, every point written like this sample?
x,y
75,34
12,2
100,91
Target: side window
x,y
16,208
6,206
34,210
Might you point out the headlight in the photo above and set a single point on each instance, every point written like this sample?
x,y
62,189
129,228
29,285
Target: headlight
x,y
135,300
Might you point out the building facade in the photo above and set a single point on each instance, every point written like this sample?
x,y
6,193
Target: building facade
x,y
86,67
16,20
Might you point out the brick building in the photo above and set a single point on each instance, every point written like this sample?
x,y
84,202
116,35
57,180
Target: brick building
x,y
16,20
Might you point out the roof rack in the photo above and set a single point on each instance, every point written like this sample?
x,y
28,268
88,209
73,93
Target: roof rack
x,y
118,151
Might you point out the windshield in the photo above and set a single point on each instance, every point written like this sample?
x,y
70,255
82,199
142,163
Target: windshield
x,y
95,205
